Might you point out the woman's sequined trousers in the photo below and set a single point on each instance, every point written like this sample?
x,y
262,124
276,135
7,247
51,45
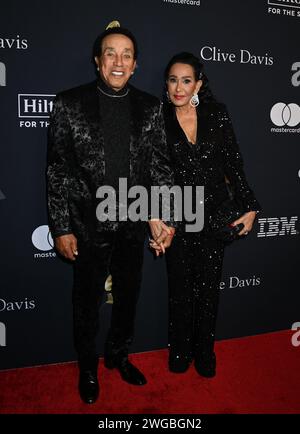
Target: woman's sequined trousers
x,y
194,266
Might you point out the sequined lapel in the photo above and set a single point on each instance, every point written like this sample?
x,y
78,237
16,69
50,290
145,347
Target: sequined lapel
x,y
176,133
91,111
204,124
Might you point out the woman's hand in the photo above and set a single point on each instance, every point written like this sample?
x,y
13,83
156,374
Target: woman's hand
x,y
247,219
160,248
161,234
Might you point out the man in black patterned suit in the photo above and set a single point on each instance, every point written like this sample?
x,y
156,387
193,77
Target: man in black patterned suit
x,y
101,132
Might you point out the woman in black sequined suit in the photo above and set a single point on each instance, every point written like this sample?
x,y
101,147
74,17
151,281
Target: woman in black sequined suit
x,y
204,152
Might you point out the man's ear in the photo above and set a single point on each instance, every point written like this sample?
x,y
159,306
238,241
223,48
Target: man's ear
x,y
134,67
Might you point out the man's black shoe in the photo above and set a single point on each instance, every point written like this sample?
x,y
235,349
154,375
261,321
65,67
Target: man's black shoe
x,y
128,371
88,386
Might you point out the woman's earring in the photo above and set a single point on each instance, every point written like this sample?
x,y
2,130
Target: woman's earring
x,y
168,97
194,101
97,68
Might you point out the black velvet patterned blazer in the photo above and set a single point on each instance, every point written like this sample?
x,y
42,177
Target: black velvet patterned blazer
x,y
76,160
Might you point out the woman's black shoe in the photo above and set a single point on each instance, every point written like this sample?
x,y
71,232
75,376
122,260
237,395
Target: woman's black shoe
x,y
178,364
206,365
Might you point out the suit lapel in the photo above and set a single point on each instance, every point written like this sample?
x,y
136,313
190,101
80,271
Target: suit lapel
x,y
204,124
91,110
90,103
176,133
136,126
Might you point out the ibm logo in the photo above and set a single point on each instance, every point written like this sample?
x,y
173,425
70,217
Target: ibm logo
x,y
2,74
2,335
273,226
34,105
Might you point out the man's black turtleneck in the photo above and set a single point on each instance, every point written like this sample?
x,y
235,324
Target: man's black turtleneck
x,y
115,113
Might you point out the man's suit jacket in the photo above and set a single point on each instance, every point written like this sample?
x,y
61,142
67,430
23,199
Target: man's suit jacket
x,y
76,160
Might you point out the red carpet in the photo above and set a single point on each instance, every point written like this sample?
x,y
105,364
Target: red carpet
x,y
258,374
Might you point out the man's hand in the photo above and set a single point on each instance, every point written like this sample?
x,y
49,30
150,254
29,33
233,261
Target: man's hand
x,y
67,246
162,236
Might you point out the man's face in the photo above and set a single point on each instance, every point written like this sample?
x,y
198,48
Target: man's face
x,y
116,62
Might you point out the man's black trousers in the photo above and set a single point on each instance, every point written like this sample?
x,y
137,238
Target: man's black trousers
x,y
119,253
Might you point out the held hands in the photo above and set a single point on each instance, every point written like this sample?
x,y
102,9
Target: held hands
x,y
161,236
161,239
247,219
67,246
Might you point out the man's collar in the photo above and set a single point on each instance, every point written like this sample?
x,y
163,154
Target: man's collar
x,y
108,91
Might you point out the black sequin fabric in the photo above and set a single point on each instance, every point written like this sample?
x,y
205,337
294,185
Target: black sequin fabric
x,y
194,260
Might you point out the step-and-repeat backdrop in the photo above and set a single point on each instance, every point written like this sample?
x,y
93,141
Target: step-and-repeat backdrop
x,y
251,54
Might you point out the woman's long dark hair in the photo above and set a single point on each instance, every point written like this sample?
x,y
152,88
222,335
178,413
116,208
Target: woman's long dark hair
x,y
205,94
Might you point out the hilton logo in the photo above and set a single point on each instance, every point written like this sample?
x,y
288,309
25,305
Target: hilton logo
x,y
34,106
287,3
286,7
277,226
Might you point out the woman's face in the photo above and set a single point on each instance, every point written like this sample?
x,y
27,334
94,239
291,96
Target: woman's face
x,y
181,84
